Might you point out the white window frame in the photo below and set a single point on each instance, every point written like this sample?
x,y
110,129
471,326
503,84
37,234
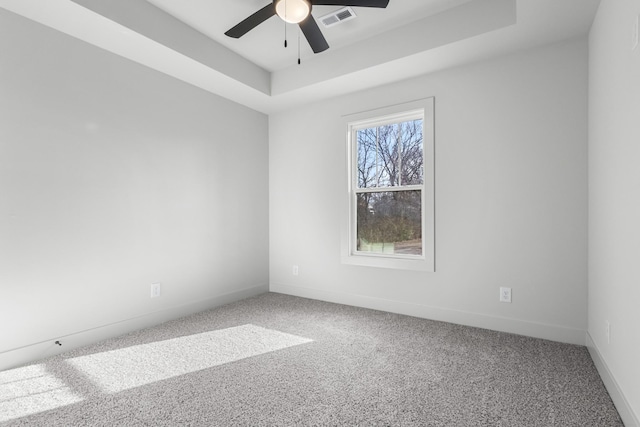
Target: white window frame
x,y
424,109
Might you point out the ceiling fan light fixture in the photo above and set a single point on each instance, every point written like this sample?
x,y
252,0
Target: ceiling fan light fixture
x,y
293,11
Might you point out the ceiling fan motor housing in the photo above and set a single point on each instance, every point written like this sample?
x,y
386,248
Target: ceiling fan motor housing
x,y
293,11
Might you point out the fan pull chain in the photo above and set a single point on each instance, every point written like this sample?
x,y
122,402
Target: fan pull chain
x,y
298,45
285,23
285,34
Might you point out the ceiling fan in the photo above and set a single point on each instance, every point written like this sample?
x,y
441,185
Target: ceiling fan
x,y
299,12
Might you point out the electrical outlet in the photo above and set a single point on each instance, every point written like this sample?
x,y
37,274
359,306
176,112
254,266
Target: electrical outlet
x,y
505,294
295,270
608,331
155,290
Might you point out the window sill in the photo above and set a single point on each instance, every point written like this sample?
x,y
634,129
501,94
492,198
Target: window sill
x,y
418,264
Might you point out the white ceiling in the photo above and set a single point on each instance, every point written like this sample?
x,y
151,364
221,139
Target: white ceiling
x,y
264,45
185,39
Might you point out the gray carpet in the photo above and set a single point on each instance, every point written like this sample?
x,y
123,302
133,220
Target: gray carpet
x,y
287,361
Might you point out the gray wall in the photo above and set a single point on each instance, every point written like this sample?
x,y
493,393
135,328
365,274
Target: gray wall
x,y
112,177
614,202
511,197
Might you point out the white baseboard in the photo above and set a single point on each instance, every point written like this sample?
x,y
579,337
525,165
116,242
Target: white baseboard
x,y
502,324
625,410
30,353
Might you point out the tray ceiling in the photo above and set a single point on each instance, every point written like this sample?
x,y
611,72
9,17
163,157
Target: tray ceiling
x,y
185,39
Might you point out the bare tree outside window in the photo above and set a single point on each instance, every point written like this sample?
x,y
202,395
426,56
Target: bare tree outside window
x,y
390,164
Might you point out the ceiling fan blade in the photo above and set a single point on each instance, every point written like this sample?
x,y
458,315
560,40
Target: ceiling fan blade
x,y
355,3
313,34
252,21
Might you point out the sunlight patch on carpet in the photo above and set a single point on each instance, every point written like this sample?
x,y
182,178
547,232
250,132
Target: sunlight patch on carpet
x,y
130,367
28,390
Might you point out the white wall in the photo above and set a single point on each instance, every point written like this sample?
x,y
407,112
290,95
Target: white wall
x,y
511,197
112,177
614,202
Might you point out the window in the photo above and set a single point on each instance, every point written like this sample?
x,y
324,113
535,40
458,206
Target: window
x,y
390,160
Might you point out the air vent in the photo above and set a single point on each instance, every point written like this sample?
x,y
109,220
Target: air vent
x,y
337,17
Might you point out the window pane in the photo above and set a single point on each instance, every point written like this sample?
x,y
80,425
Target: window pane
x,y
412,154
367,158
389,222
391,155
